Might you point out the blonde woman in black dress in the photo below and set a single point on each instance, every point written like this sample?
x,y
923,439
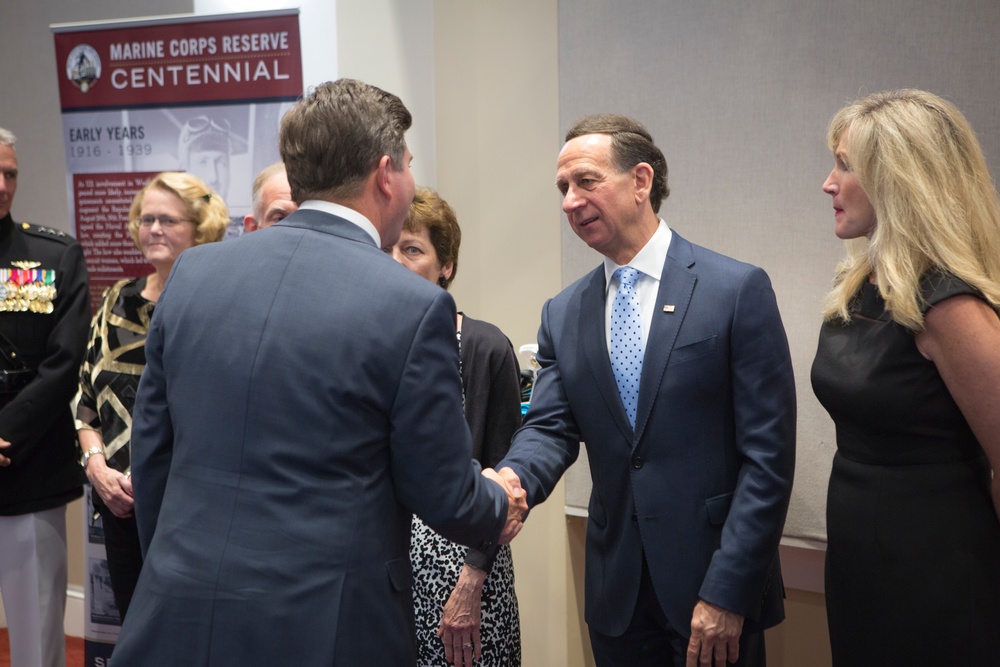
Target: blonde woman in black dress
x,y
464,601
172,213
908,366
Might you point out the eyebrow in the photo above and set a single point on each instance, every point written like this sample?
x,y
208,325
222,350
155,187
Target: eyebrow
x,y
577,173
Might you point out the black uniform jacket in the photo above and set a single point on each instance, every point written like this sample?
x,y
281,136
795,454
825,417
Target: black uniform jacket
x,y
45,468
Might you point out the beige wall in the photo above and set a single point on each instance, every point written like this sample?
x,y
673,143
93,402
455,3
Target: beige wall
x,y
496,81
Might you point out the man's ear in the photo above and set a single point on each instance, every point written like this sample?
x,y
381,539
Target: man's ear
x,y
383,176
642,179
249,223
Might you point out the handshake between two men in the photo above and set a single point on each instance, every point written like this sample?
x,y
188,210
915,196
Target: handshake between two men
x,y
517,502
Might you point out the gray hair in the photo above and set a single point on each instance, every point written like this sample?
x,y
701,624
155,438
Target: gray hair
x,y
258,186
7,138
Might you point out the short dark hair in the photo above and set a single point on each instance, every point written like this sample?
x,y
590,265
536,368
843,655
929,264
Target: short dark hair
x,y
431,212
334,136
631,143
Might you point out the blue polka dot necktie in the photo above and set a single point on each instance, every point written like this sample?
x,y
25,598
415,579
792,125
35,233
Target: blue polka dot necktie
x,y
626,339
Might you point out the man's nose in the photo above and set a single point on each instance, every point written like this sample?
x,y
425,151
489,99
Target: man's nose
x,y
571,201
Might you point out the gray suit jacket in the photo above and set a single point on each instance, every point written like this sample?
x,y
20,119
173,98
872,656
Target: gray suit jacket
x,y
701,486
301,399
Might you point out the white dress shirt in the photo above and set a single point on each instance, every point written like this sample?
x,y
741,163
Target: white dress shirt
x,y
649,262
346,213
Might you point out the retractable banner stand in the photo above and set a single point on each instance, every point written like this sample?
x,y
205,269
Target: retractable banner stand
x,y
203,94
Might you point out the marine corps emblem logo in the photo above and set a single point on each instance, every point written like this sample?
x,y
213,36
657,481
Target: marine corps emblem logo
x,y
83,66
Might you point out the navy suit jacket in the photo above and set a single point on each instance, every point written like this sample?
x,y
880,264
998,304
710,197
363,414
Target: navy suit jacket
x,y
702,484
301,399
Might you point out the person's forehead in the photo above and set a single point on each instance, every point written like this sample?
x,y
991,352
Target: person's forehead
x,y
161,197
277,184
421,234
584,153
8,157
594,143
276,188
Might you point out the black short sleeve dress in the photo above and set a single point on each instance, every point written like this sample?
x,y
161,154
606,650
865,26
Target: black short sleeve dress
x,y
913,559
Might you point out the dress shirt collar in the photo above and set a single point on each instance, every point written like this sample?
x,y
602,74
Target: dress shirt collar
x,y
649,261
346,213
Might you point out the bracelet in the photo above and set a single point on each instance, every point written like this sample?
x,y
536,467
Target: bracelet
x,y
90,452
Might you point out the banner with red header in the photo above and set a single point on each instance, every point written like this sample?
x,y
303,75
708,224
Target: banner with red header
x,y
203,94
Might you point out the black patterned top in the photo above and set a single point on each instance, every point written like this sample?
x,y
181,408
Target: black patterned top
x,y
116,356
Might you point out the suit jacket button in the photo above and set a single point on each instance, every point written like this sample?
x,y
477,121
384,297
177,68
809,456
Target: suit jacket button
x,y
637,462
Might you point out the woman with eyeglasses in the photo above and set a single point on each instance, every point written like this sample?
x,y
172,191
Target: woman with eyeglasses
x,y
172,213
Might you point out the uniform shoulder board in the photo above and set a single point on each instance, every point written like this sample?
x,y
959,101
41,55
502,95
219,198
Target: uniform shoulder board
x,y
45,232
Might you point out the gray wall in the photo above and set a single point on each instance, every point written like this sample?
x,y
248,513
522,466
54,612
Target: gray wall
x,y
738,96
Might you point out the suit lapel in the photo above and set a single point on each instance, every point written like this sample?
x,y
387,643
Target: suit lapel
x,y
676,289
593,340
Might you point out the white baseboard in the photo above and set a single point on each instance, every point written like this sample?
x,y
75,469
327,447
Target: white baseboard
x,y
75,607
73,621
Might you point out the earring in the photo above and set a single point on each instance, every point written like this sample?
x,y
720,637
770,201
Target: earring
x,y
443,282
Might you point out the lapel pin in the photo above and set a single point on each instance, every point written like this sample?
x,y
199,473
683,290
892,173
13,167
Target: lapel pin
x,y
668,309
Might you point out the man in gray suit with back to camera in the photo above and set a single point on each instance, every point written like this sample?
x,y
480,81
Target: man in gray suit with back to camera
x,y
301,399
670,362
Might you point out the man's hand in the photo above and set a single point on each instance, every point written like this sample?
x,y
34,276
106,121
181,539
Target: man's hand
x,y
715,636
4,461
517,504
462,616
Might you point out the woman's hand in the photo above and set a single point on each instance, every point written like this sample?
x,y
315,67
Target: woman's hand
x,y
114,487
459,629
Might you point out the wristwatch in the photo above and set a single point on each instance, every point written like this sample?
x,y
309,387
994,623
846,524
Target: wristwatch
x,y
90,452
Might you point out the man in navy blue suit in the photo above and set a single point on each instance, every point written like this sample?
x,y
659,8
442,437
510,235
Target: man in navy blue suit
x,y
301,400
670,362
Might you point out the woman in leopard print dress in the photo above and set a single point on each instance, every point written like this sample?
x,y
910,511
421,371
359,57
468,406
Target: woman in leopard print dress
x,y
464,601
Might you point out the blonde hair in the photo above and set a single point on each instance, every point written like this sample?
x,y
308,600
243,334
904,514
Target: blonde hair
x,y
918,160
203,206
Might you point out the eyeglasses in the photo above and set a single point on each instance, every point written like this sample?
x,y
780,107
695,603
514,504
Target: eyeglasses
x,y
165,221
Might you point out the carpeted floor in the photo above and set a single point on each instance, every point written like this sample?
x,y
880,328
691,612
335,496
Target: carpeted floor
x,y
74,650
